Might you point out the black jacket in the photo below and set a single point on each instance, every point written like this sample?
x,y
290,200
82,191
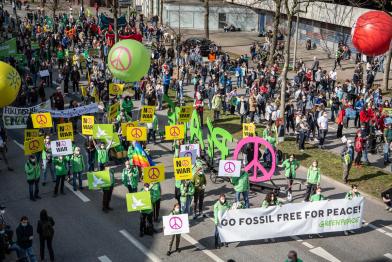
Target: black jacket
x,y
22,236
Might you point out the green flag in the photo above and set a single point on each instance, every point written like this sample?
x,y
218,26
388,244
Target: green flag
x,y
103,131
138,201
116,140
99,179
8,48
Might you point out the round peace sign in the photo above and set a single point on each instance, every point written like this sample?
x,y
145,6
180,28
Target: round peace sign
x,y
188,154
121,58
185,163
255,161
229,167
41,119
175,223
136,132
174,131
153,173
116,88
33,144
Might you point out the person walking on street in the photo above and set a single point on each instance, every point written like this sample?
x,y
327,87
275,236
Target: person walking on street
x,y
33,173
347,158
130,176
290,166
77,168
175,211
47,163
312,179
187,190
146,225
60,165
155,200
315,198
107,191
220,207
24,239
200,182
90,149
241,186
350,195
45,230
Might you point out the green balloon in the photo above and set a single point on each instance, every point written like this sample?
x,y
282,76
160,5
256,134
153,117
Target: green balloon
x,y
129,60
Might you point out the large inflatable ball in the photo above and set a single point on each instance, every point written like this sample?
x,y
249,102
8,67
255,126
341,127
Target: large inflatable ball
x,y
372,33
129,60
9,84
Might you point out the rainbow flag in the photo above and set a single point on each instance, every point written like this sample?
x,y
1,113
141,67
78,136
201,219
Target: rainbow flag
x,y
140,157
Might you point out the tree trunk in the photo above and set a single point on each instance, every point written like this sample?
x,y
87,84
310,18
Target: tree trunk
x,y
161,12
278,4
387,68
115,2
207,18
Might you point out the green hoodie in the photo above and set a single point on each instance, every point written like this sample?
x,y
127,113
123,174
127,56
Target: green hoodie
x,y
155,192
33,172
103,155
127,105
112,180
130,152
219,210
60,166
199,180
130,177
265,204
185,193
290,167
77,164
316,197
241,184
313,176
350,195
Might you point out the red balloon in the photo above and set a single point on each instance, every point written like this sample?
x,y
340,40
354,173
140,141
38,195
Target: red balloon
x,y
372,33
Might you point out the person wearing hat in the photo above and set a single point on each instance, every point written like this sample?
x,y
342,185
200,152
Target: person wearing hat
x,y
199,181
77,168
130,176
146,225
347,158
33,173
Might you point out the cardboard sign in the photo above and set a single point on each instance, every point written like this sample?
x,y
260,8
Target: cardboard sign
x,y
30,134
229,168
189,153
98,180
182,168
116,89
154,174
185,114
147,114
248,130
124,127
138,201
61,147
34,145
65,131
87,125
137,133
189,147
103,131
175,224
42,120
174,132
113,110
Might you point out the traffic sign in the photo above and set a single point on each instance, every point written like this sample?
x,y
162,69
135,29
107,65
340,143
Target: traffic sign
x,y
137,133
41,120
154,174
174,132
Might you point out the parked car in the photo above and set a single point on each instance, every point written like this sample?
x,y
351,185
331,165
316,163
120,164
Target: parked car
x,y
204,43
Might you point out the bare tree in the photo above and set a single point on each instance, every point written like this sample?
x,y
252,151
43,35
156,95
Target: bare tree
x,y
275,31
115,7
207,18
54,5
161,12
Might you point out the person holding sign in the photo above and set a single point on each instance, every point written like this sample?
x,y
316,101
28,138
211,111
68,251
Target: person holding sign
x,y
241,185
47,161
33,173
175,211
290,166
200,182
152,129
220,207
312,179
155,190
77,167
60,167
146,225
103,154
315,198
107,191
127,105
353,193
187,190
130,176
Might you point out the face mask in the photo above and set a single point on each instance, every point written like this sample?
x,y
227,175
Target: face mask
x,y
24,224
2,232
223,201
318,193
146,188
177,210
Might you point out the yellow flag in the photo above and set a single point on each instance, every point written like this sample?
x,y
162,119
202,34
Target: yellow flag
x,y
116,89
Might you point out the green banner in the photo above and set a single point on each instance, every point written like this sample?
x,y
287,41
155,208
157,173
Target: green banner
x,y
138,201
8,48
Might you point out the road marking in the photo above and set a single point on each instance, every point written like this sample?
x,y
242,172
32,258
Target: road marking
x,y
321,252
201,247
18,144
387,227
388,255
77,193
104,259
139,246
308,245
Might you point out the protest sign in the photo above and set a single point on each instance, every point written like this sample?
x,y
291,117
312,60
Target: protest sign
x,y
138,201
8,48
34,145
116,89
185,114
248,130
65,131
113,111
182,168
136,133
291,219
174,132
16,117
42,120
189,147
154,174
61,147
87,125
43,73
229,168
124,127
30,133
72,112
189,153
175,224
147,114
99,179
102,131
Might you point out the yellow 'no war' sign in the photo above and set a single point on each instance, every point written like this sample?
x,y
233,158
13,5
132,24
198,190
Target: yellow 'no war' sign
x,y
65,131
87,125
30,134
147,114
182,168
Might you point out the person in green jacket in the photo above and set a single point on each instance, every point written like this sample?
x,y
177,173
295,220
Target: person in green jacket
x,y
77,168
146,225
317,196
187,190
216,105
199,181
353,193
270,200
155,189
130,152
130,176
175,211
103,154
123,117
290,166
312,179
47,161
152,129
293,257
60,168
108,191
33,173
127,105
220,207
241,185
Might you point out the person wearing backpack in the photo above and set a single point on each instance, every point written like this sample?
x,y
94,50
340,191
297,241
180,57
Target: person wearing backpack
x,y
45,231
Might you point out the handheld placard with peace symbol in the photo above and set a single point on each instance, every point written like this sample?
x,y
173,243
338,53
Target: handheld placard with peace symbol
x,y
229,167
256,141
153,173
185,163
121,58
175,223
33,144
41,119
136,132
174,131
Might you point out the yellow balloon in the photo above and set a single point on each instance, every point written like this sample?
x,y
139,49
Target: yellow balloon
x,y
9,84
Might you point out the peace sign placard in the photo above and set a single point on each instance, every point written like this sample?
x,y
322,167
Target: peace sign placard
x,y
42,120
175,224
182,168
34,145
174,132
136,133
154,174
229,168
116,89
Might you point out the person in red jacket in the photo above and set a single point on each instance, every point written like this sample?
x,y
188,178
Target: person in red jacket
x,y
358,147
339,122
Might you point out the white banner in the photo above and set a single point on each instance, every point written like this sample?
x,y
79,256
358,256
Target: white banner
x,y
230,168
291,219
175,224
188,147
72,112
61,147
16,117
189,153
